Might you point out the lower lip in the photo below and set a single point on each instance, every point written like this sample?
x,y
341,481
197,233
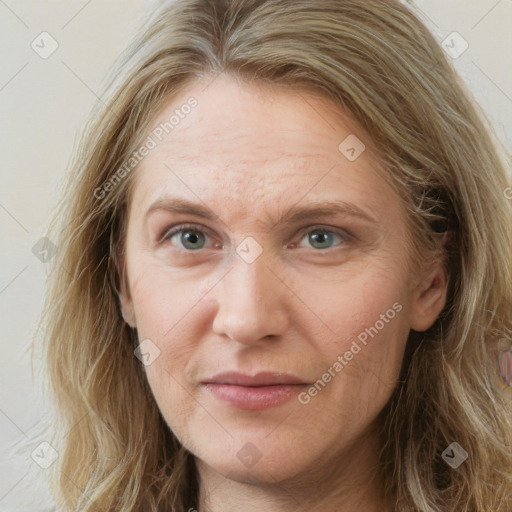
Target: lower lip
x,y
254,398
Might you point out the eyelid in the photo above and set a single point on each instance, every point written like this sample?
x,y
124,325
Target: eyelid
x,y
322,227
172,230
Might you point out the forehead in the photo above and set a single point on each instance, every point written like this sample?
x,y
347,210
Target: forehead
x,y
255,147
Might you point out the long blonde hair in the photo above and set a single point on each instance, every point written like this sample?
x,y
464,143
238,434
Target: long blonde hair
x,y
376,59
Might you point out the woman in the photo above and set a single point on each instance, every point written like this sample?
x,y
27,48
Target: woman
x,y
284,274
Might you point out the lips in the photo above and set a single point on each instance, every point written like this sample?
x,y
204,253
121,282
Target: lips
x,y
260,379
254,392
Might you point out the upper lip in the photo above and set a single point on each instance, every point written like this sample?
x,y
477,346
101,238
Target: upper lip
x,y
259,379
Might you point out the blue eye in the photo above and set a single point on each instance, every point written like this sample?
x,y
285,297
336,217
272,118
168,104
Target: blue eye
x,y
192,239
323,237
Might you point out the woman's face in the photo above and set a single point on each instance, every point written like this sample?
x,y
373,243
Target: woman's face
x,y
273,321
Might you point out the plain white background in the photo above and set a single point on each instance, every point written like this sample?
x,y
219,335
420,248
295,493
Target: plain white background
x,y
43,103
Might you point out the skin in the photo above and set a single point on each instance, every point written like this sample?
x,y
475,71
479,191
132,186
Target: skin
x,y
249,152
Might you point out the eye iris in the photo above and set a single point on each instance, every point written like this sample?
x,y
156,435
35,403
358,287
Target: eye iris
x,y
317,236
191,237
322,237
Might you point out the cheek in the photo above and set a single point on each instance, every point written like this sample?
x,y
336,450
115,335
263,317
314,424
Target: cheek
x,y
368,333
162,300
167,378
169,312
368,305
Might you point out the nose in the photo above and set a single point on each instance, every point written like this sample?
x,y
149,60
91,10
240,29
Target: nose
x,y
251,302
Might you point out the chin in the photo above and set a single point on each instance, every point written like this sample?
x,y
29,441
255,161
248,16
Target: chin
x,y
253,459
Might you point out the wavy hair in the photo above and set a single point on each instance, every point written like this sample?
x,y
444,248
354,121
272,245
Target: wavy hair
x,y
377,60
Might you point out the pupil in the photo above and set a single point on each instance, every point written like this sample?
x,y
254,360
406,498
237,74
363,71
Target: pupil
x,y
319,237
191,237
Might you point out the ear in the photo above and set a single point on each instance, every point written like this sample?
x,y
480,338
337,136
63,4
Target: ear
x,y
428,298
127,310
126,303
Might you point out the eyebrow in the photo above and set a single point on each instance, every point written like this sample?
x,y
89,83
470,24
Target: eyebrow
x,y
294,215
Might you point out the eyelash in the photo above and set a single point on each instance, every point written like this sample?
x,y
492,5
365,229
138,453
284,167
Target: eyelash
x,y
170,232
